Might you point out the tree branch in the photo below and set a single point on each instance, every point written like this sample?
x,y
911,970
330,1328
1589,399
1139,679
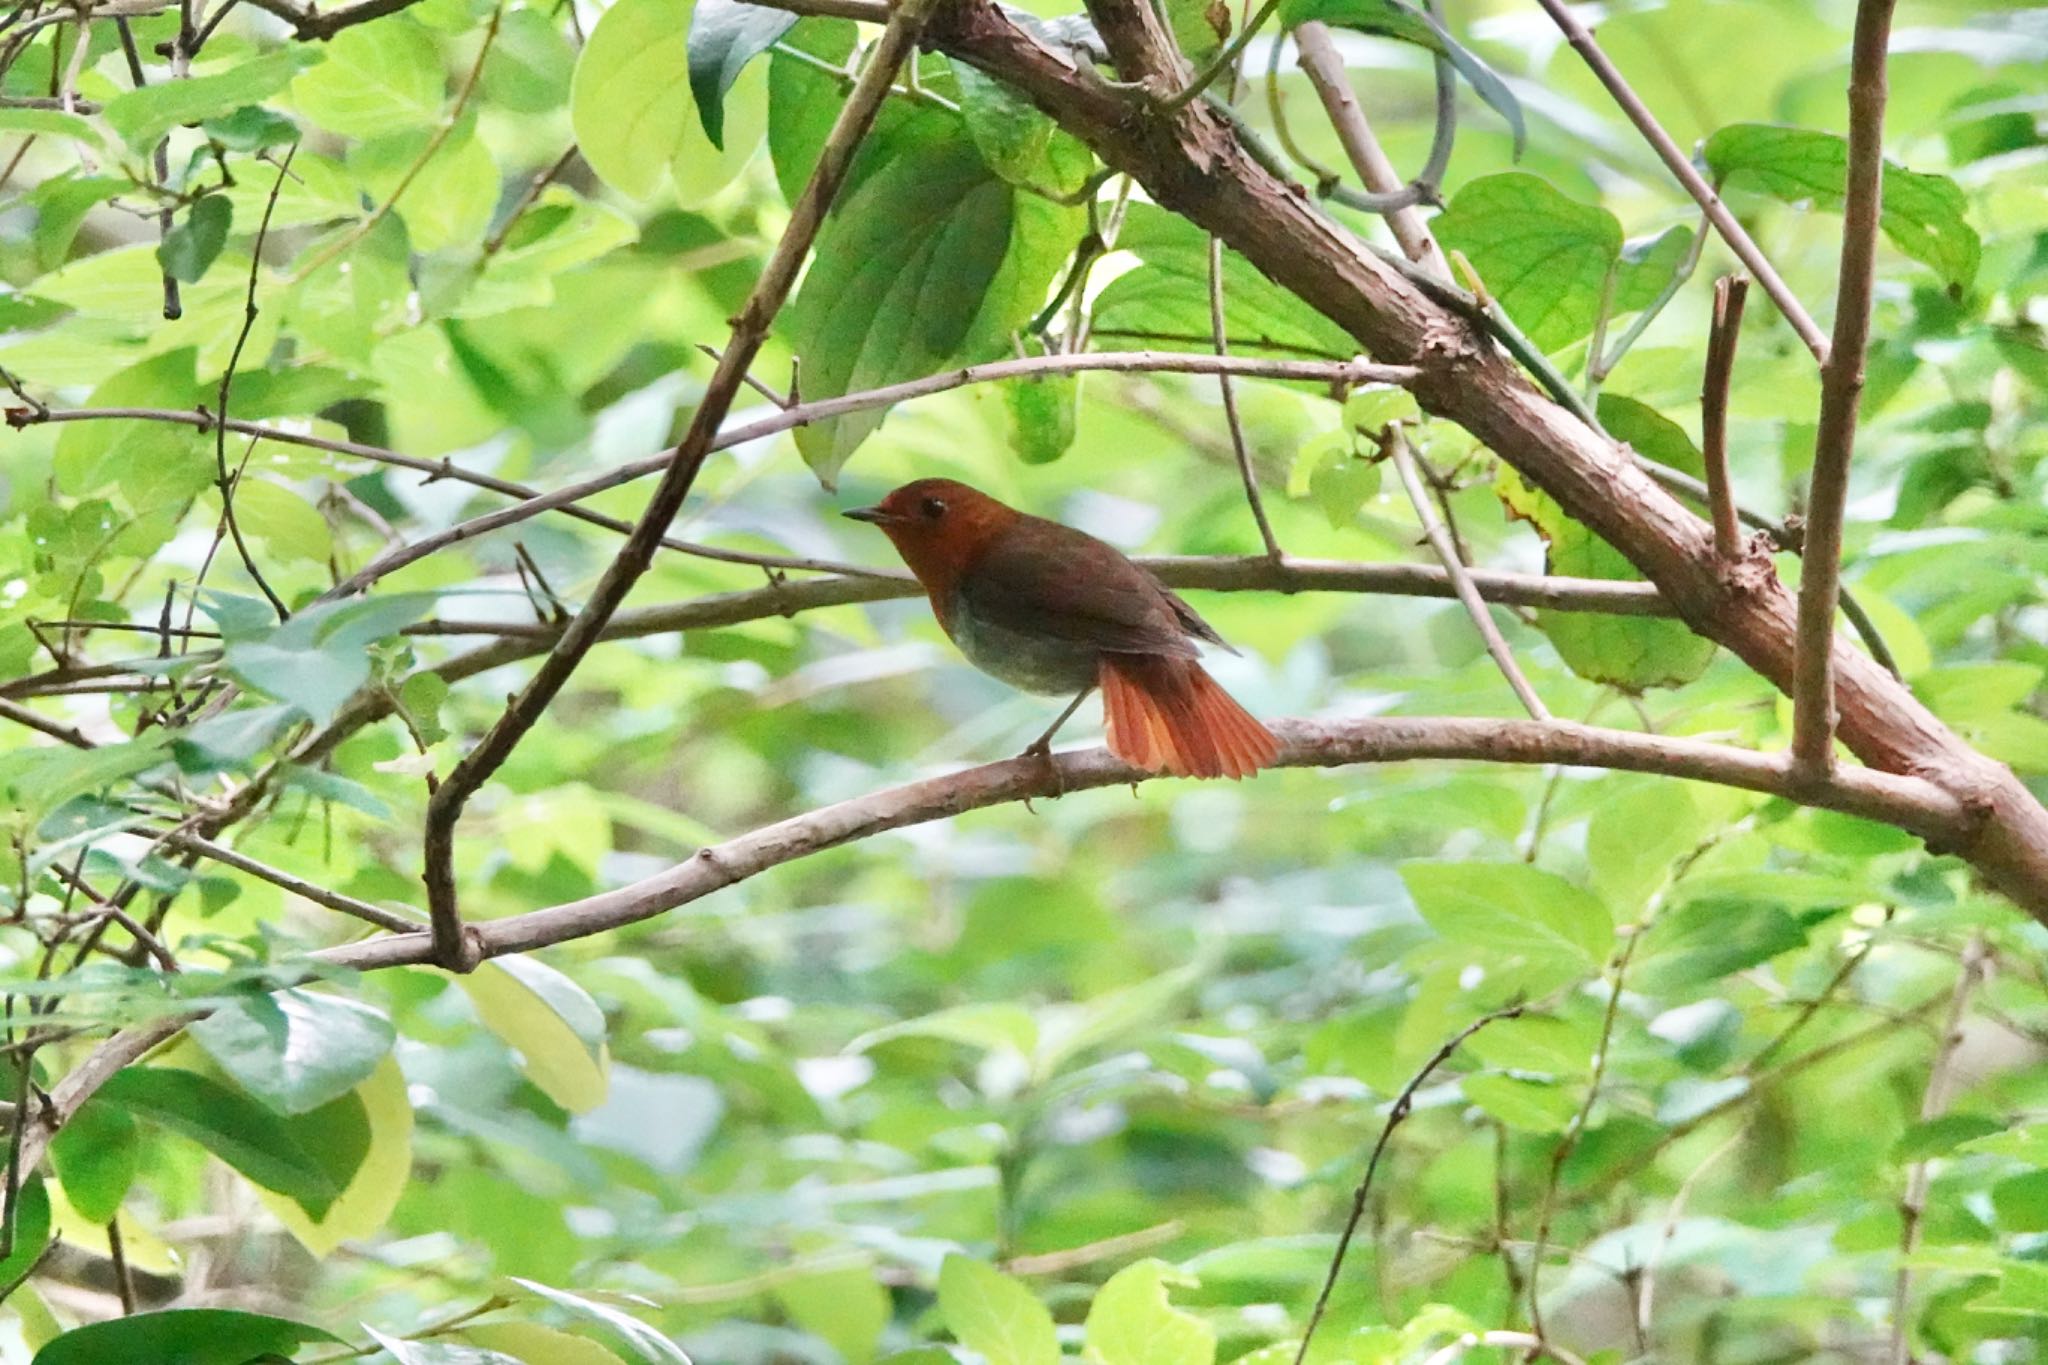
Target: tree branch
x,y
1841,389
453,949
1933,1104
1682,169
1729,293
1454,566
1193,164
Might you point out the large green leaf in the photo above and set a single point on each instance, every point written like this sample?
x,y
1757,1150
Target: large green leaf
x,y
724,36
1132,1322
553,1024
233,1127
379,78
933,261
183,1336
144,114
989,1312
295,1049
636,121
1543,256
1924,215
1514,914
96,1155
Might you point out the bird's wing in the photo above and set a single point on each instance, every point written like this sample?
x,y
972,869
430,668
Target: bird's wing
x,y
1042,578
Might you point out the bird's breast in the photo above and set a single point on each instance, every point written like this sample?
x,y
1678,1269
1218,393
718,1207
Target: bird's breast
x,y
1024,659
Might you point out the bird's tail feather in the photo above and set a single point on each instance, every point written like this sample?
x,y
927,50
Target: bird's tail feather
x,y
1168,715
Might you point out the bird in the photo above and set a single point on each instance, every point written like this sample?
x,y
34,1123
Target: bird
x,y
1052,610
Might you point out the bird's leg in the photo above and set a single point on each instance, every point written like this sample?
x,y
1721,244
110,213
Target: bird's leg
x,y
1042,746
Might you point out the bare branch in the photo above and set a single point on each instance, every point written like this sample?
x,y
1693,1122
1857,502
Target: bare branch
x,y
1729,293
1461,578
1841,389
1910,803
1324,67
1396,1112
1682,169
1238,445
453,948
1933,1104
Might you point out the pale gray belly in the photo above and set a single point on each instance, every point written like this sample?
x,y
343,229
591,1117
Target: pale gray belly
x,y
1031,662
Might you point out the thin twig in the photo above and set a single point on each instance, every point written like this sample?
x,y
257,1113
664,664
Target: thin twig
x,y
223,480
454,948
1238,443
1524,1341
1729,293
1324,66
1447,553
1841,389
1681,168
1941,1077
496,241
1646,1292
123,1280
1401,1106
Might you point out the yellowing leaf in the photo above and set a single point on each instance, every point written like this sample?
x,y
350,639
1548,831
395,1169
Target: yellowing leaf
x,y
537,1345
1131,1322
363,1206
991,1313
546,1018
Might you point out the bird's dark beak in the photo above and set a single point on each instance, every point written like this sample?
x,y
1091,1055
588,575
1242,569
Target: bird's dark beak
x,y
872,515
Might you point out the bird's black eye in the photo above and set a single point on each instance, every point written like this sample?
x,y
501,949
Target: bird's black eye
x,y
934,508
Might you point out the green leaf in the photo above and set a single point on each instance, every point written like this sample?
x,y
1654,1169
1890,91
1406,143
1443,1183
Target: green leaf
x,y
633,113
724,36
252,128
191,246
989,1312
647,1344
379,78
1165,302
53,122
32,1231
1514,914
437,1352
1923,215
228,1124
1647,265
531,64
1633,844
1526,1103
1132,1323
847,1307
1013,137
1543,256
1043,411
183,1336
96,1155
1706,939
1405,23
376,1116
933,261
989,1026
34,781
287,525
294,1049
152,463
143,115
319,658
534,1344
550,1021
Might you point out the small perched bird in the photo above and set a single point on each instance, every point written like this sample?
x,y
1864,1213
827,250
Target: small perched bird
x,y
1053,610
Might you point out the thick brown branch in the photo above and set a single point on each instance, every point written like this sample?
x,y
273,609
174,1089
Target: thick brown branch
x,y
1192,164
1841,390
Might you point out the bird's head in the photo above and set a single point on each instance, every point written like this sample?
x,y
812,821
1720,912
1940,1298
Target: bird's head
x,y
939,526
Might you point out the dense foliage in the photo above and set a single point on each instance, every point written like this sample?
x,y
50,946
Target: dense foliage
x,y
1095,1078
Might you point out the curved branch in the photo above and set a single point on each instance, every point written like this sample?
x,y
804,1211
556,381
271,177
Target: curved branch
x,y
1907,802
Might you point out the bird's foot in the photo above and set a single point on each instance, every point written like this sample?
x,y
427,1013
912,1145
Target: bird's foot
x,y
1042,751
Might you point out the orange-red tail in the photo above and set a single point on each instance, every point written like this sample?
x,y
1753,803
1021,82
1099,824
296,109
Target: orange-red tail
x,y
1167,715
